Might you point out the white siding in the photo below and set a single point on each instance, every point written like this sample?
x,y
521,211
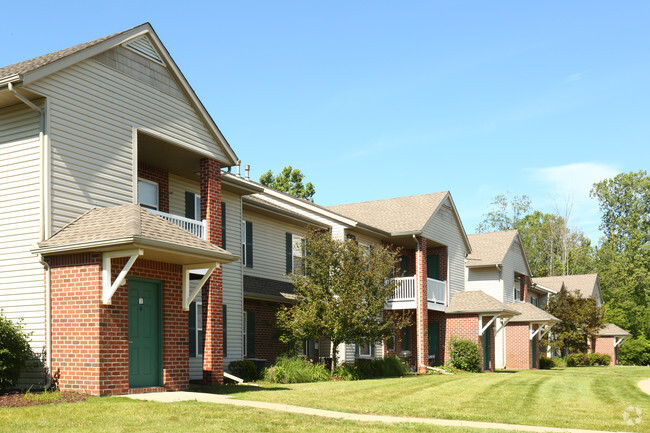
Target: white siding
x,y
94,109
487,280
269,244
513,262
444,229
177,188
22,292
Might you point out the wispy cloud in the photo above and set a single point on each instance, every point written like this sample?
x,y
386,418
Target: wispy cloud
x,y
569,185
575,77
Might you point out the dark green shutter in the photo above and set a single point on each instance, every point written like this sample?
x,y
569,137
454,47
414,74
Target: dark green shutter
x,y
534,343
433,267
223,225
189,205
372,349
250,333
192,329
486,350
225,331
289,252
406,345
356,350
249,244
405,266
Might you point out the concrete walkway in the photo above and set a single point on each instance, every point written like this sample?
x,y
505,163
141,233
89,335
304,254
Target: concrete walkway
x,y
169,397
645,385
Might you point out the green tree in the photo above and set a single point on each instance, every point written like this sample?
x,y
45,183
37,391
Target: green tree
x,y
623,256
289,180
505,213
340,294
581,319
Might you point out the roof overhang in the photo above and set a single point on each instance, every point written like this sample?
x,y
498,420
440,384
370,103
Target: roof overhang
x,y
486,312
288,299
484,265
283,214
239,185
152,249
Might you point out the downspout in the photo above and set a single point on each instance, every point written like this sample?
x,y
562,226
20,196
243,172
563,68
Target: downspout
x,y
48,320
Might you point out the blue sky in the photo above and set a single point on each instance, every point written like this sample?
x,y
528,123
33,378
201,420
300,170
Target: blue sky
x,y
374,99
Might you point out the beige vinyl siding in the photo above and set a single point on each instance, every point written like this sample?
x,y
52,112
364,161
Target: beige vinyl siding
x,y
362,238
22,293
443,228
177,187
513,262
499,346
487,280
269,245
93,111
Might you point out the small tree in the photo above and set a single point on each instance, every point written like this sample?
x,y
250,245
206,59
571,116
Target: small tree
x,y
289,181
341,294
14,352
581,319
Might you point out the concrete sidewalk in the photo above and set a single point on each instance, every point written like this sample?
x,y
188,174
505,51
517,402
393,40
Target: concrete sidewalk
x,y
645,385
170,397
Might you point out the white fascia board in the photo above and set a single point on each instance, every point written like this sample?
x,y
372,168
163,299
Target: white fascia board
x,y
188,296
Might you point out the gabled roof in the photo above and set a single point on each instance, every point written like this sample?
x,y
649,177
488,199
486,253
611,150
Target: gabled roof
x,y
478,302
400,215
33,69
490,249
611,330
530,313
584,284
110,227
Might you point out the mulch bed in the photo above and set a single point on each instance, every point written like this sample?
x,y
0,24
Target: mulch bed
x,y
18,399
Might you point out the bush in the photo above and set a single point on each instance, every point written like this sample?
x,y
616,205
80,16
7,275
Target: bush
x,y
546,363
390,366
14,352
464,355
245,369
635,351
292,369
346,372
584,359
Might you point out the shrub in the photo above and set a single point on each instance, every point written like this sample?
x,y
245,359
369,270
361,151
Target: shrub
x,y
294,369
346,372
577,360
635,351
546,363
604,359
464,355
14,352
245,369
390,366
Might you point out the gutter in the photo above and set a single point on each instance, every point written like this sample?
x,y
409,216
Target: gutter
x,y
48,320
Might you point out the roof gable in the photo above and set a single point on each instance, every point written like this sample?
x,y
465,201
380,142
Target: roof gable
x,y
489,249
142,40
586,284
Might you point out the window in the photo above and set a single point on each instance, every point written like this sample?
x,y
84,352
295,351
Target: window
x,y
517,288
308,347
148,194
365,350
247,243
534,301
390,343
404,265
192,206
196,327
295,253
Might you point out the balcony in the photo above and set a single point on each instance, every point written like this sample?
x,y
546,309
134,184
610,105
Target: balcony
x,y
198,228
405,290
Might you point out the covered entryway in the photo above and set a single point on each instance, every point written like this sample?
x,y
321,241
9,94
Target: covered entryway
x,y
145,333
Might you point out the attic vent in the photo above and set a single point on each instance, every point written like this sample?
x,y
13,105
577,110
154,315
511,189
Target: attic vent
x,y
143,46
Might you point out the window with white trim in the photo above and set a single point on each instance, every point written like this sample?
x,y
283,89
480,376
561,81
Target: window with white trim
x,y
148,194
298,253
517,288
364,349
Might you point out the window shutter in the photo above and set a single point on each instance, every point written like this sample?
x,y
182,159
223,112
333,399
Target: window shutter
x,y
356,350
405,339
433,266
192,329
223,225
405,266
225,331
250,334
372,349
249,244
189,205
289,252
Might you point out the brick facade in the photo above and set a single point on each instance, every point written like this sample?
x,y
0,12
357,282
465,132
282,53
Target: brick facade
x,y
90,340
605,345
519,349
421,312
267,335
161,177
466,327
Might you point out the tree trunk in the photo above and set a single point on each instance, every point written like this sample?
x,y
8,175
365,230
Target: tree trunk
x,y
335,347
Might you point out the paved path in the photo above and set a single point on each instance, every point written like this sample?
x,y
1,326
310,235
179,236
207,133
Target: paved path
x,y
645,386
169,397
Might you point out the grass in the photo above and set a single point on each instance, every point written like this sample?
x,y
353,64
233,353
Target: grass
x,y
585,397
117,414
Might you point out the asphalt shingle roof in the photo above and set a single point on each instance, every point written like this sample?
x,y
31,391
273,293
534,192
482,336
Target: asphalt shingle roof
x,y
476,301
394,215
611,330
584,284
263,287
490,247
530,313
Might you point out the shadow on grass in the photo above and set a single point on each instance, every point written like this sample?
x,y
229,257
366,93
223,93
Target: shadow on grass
x,y
506,371
231,389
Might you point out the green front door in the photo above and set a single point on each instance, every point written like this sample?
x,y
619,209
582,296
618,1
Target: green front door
x,y
145,333
433,266
486,350
434,335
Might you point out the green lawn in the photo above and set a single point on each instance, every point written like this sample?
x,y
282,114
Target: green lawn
x,y
587,397
112,414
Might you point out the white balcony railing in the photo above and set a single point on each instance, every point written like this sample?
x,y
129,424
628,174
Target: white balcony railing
x,y
198,228
405,291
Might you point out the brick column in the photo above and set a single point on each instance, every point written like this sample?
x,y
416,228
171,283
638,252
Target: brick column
x,y
524,287
422,311
212,290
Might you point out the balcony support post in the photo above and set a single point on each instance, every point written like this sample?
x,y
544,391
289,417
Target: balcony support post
x,y
421,302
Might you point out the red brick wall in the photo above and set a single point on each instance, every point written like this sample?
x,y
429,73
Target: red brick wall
x,y
267,335
605,345
421,313
519,350
90,340
160,176
465,327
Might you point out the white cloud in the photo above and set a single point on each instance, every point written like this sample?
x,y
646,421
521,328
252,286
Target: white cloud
x,y
571,184
576,76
